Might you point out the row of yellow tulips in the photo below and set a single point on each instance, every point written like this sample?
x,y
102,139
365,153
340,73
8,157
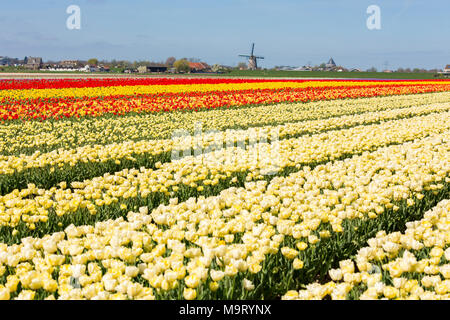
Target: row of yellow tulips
x,y
411,265
200,247
32,204
30,136
11,165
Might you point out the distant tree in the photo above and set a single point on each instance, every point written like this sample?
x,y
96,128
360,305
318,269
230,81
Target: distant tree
x,y
182,65
145,63
93,62
400,70
408,70
215,68
122,64
322,65
170,61
126,64
242,66
373,69
218,68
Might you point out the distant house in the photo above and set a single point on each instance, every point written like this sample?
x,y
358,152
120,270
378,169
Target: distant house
x,y
304,68
445,72
103,68
5,61
199,67
276,67
33,63
70,64
152,68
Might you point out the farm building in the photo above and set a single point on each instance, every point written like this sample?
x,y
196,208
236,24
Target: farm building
x,y
33,63
445,72
152,68
447,68
199,67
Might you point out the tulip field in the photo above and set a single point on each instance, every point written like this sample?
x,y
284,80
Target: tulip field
x,y
215,188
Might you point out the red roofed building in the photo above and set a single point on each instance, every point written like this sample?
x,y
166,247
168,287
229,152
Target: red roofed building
x,y
199,67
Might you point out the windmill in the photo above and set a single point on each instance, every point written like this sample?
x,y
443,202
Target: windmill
x,y
252,60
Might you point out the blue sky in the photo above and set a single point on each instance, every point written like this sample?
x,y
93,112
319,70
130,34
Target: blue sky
x,y
414,33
